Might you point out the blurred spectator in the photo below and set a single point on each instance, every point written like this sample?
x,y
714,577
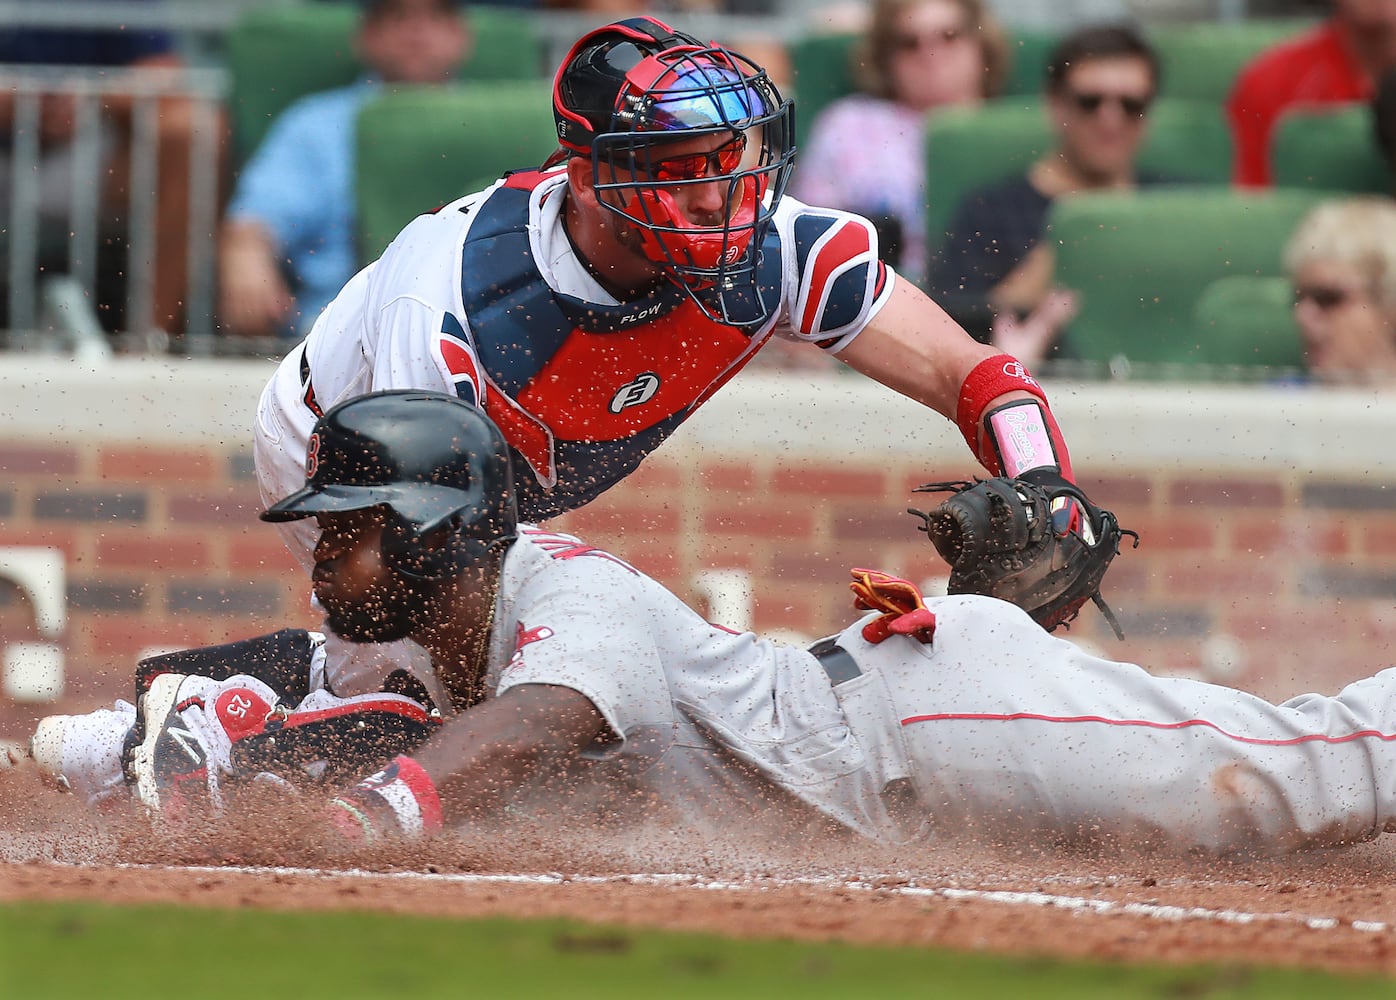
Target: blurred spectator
x,y
101,47
1384,123
287,244
866,152
991,274
1336,62
1341,261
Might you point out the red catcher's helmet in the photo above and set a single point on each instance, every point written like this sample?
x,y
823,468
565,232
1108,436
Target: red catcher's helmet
x,y
625,95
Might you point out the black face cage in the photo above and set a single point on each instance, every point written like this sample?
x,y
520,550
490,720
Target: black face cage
x,y
721,280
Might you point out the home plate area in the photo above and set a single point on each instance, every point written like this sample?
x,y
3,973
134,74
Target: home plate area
x,y
1325,909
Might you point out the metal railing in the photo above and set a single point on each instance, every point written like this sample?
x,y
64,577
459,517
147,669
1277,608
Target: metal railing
x,y
205,91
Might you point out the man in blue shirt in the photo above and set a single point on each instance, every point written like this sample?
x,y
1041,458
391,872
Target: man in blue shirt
x,y
287,242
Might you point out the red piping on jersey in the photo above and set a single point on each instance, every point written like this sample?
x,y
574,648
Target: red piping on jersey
x,y
1185,724
390,706
526,434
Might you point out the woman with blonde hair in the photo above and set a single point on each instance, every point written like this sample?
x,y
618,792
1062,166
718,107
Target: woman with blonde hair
x,y
1341,260
866,152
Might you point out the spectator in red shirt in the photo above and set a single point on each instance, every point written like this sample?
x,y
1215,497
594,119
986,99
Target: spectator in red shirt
x,y
1335,63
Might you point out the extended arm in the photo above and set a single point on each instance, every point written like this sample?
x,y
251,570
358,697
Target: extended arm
x,y
467,768
914,347
481,756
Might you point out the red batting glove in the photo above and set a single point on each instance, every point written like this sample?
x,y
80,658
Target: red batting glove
x,y
904,612
399,801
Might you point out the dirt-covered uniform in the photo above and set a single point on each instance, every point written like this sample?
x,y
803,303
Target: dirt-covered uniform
x,y
992,725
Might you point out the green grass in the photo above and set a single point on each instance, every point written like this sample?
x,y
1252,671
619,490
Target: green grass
x,y
86,950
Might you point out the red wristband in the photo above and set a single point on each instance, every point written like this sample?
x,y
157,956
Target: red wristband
x,y
399,800
986,382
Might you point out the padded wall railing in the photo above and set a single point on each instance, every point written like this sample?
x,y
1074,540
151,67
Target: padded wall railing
x,y
31,241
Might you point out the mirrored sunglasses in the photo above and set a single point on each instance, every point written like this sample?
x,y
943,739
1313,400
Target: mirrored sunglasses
x,y
692,166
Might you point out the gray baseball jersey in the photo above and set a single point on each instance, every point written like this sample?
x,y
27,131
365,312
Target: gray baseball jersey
x,y
994,724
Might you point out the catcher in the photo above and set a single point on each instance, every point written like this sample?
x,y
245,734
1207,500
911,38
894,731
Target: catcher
x,y
571,683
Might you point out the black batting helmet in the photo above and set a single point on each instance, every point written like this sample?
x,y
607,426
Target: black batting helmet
x,y
429,458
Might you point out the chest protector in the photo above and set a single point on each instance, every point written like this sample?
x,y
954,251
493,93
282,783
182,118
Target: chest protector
x,y
583,391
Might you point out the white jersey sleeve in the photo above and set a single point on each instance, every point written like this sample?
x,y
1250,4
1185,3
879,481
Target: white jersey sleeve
x,y
385,330
568,604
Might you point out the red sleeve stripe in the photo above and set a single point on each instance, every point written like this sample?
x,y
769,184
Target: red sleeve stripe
x,y
460,361
1361,734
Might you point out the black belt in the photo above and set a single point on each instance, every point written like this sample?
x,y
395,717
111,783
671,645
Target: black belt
x,y
836,661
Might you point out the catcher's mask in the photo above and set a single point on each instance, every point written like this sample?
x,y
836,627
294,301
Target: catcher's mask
x,y
658,111
430,460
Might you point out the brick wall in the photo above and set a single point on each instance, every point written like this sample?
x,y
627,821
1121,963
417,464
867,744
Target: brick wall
x,y
1269,539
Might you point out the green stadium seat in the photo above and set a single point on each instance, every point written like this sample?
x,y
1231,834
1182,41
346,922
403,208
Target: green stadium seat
x,y
276,54
823,72
1248,321
970,148
1330,149
1142,261
1028,53
1200,60
423,147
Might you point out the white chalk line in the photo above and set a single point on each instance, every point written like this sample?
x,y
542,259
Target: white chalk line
x,y
1076,904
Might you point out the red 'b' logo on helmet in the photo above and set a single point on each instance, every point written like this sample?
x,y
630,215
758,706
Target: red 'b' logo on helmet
x,y
312,456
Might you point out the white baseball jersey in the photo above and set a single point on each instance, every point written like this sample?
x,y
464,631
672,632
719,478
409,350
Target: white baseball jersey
x,y
994,726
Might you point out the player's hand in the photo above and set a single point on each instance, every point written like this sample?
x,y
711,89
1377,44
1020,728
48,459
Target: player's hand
x,y
253,297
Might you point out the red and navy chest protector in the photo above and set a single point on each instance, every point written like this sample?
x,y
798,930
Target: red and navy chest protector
x,y
582,392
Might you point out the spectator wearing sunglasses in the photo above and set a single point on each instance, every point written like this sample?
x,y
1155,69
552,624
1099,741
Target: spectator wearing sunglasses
x,y
1341,260
1336,62
991,273
866,152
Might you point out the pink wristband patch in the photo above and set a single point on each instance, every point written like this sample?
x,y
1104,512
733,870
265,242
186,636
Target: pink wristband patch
x,y
1020,434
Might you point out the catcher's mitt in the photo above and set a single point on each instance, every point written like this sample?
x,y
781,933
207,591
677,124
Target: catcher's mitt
x,y
1013,539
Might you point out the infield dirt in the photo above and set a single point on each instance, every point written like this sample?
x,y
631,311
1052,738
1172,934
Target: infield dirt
x,y
1333,909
